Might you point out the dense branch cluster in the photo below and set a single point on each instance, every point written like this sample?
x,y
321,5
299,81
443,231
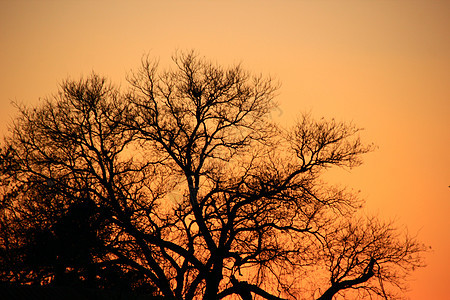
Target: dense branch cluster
x,y
183,186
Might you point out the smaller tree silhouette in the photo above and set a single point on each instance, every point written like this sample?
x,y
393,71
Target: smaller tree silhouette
x,y
369,256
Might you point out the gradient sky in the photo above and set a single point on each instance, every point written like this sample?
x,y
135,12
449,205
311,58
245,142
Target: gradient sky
x,y
385,65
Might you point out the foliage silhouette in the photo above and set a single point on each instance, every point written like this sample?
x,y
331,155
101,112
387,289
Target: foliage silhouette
x,y
185,184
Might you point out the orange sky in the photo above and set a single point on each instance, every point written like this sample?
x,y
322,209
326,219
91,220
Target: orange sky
x,y
383,64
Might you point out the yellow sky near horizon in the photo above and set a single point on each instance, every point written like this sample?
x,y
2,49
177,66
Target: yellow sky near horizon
x,y
385,65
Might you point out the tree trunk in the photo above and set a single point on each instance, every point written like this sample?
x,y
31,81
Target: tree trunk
x,y
213,281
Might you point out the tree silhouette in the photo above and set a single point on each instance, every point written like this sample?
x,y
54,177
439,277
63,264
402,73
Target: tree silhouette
x,y
185,180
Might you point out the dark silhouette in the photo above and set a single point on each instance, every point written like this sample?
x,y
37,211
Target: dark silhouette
x,y
36,292
183,185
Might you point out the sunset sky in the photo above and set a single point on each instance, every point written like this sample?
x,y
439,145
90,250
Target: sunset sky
x,y
384,65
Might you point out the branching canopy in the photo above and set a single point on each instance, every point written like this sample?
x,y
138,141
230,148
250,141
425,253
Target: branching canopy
x,y
187,182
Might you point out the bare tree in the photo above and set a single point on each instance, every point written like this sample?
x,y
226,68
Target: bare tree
x,y
199,191
367,256
65,168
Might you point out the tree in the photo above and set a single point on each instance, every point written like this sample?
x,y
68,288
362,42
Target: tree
x,y
52,230
196,189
